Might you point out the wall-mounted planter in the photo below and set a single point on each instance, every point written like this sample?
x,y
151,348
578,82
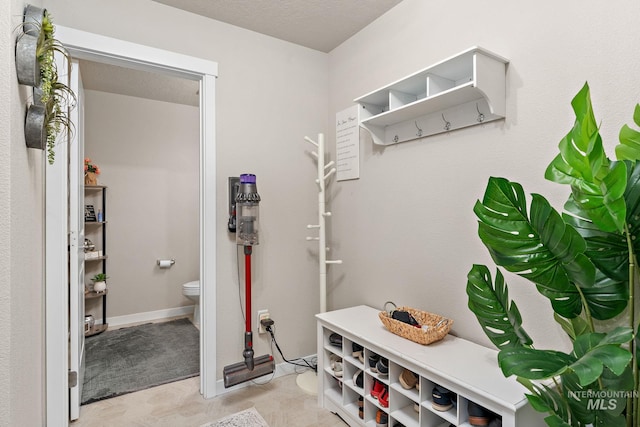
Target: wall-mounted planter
x,y
32,20
27,64
34,127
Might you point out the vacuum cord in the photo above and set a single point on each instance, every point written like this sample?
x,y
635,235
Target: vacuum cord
x,y
307,364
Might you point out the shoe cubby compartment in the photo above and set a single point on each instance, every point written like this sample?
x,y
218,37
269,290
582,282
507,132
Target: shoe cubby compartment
x,y
427,388
464,90
469,371
464,412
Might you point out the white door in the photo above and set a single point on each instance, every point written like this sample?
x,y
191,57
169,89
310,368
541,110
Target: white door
x,y
76,243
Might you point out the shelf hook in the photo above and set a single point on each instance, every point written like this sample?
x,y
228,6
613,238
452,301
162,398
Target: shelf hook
x,y
447,124
419,130
480,115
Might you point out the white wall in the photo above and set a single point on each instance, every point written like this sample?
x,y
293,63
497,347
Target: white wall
x,y
21,244
270,94
148,154
406,230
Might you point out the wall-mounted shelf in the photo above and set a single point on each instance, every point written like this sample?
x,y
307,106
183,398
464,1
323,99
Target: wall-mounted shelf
x,y
464,90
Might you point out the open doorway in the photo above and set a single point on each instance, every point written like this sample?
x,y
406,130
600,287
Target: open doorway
x,y
100,49
141,131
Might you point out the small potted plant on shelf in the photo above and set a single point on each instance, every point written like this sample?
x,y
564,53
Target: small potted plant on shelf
x,y
91,172
100,282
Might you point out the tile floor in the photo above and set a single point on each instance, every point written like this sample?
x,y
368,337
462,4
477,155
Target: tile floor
x,y
280,402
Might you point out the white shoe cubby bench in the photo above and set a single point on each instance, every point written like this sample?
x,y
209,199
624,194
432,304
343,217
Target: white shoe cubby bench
x,y
467,369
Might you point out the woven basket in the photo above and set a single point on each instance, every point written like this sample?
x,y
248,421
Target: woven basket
x,y
438,326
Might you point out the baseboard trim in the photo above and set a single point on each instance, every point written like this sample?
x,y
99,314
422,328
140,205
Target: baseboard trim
x,y
282,369
149,316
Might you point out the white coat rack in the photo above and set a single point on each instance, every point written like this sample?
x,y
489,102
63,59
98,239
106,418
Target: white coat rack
x,y
324,173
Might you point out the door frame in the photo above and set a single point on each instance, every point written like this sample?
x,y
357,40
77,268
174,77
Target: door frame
x,y
85,45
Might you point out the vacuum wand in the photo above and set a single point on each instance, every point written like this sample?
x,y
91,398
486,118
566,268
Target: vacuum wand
x,y
248,335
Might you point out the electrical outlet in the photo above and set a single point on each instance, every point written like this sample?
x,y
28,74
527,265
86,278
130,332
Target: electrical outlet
x,y
262,314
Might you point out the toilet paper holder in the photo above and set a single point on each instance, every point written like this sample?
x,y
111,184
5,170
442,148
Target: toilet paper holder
x,y
166,263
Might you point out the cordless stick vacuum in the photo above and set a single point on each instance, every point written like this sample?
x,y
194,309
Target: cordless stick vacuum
x,y
247,201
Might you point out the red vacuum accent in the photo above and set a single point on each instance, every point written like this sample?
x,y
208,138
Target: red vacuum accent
x,y
247,286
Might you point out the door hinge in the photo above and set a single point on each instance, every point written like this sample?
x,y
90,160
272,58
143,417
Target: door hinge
x,y
73,379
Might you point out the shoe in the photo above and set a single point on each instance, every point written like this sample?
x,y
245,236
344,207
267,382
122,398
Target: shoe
x,y
441,399
383,399
478,416
356,350
360,402
377,389
335,340
361,413
382,366
335,362
382,419
358,378
373,360
496,422
408,379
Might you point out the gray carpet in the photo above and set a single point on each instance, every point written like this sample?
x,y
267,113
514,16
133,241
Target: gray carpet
x,y
131,359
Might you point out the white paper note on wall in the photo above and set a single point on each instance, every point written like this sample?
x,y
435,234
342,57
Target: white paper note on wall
x,y
347,144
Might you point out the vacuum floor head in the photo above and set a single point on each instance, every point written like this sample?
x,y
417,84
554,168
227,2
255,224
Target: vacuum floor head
x,y
239,373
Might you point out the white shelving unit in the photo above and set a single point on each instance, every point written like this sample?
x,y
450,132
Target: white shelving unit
x,y
465,368
464,90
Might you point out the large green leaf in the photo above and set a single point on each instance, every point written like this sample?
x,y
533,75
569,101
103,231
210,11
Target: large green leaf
x,y
500,319
542,249
596,350
549,400
592,352
597,185
609,251
533,364
629,147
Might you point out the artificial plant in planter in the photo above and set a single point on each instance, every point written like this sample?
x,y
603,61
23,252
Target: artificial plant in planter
x,y
584,261
47,118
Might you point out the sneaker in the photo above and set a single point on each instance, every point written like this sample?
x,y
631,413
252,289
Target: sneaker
x,y
382,419
358,378
382,366
377,389
441,399
356,350
335,340
478,416
383,399
373,360
408,379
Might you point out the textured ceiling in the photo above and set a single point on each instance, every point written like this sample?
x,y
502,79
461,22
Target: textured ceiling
x,y
318,24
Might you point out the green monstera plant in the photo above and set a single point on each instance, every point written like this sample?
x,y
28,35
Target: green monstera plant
x,y
584,261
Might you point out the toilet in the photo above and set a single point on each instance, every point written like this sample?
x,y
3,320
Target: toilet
x,y
191,290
